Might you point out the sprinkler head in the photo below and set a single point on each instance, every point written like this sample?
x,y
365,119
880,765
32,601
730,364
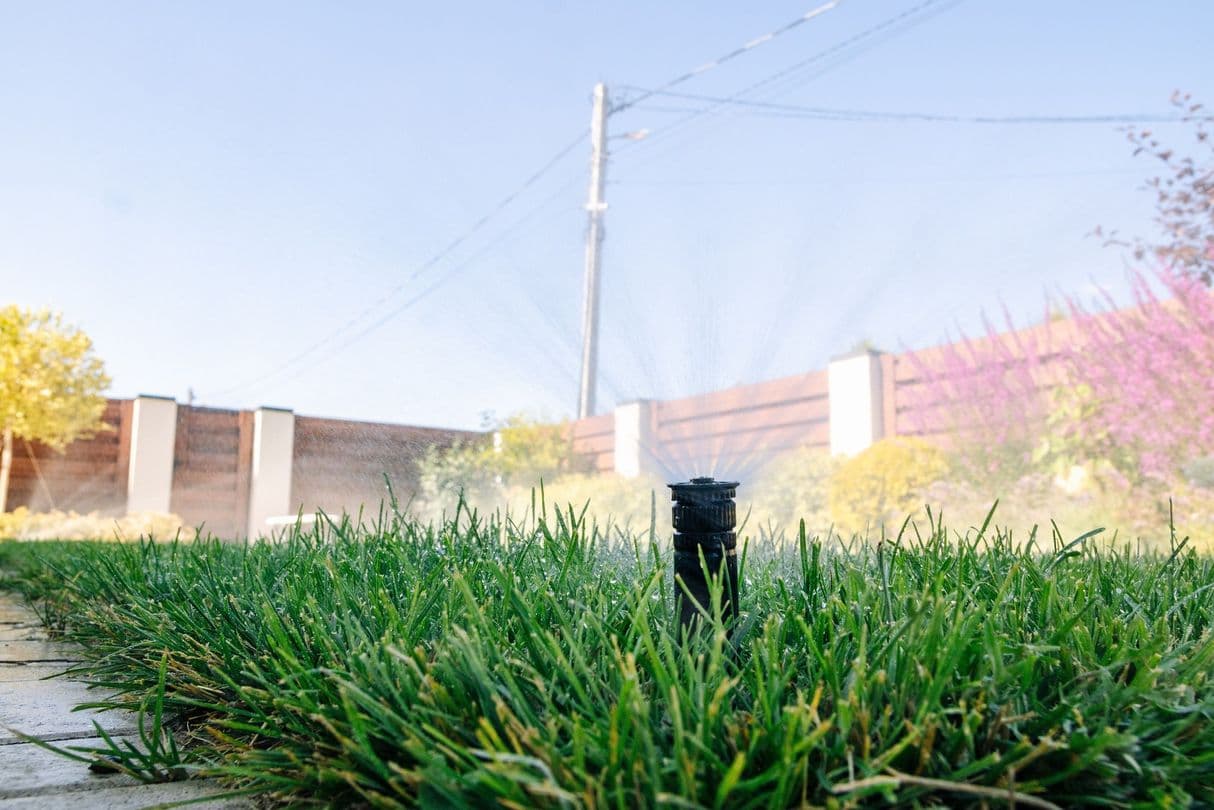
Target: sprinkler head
x,y
704,516
705,513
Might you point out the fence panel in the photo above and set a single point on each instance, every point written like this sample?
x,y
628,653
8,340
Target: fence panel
x,y
213,456
594,438
88,475
743,427
341,465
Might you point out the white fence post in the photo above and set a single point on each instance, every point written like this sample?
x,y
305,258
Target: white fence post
x,y
149,480
634,438
273,460
857,414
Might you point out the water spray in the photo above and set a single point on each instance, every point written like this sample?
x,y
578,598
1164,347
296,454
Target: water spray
x,y
705,515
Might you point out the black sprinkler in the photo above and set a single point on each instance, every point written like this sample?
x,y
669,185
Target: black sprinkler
x,y
704,519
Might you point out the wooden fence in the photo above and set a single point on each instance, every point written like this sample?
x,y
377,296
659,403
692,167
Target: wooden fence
x,y
335,465
594,438
751,423
735,428
212,463
340,464
89,476
915,406
745,425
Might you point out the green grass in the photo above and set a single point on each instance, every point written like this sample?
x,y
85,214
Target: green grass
x,y
474,663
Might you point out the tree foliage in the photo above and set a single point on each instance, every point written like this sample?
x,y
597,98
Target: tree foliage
x,y
51,383
528,449
1184,197
523,451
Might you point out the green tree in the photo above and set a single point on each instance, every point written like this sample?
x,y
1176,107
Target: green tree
x,y
1184,197
527,450
51,384
522,451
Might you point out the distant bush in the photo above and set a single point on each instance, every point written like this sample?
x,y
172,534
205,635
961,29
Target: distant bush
x,y
792,488
1125,387
22,524
986,396
1200,472
1150,371
883,483
526,450
448,472
522,452
1094,495
625,503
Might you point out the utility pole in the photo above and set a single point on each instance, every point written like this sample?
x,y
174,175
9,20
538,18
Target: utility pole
x,y
595,208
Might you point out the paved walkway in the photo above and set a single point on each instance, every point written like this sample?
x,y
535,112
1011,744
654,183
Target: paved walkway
x,y
36,779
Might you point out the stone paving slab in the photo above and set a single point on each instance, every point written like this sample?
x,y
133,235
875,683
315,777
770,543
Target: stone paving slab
x,y
41,778
44,709
10,612
28,672
30,770
130,798
29,652
32,778
22,631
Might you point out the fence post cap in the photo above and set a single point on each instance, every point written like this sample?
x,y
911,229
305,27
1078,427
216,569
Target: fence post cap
x,y
865,351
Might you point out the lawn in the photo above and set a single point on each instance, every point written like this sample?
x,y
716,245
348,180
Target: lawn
x,y
478,663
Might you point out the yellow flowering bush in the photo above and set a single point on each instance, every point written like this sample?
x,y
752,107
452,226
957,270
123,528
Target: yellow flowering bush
x,y
792,488
882,484
22,524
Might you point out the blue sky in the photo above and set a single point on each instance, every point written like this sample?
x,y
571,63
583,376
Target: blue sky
x,y
212,189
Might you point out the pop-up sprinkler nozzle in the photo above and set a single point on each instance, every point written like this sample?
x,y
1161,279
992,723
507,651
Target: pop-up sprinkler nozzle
x,y
704,519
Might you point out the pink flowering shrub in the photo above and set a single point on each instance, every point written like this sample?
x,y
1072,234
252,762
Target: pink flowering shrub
x,y
983,399
1150,370
1129,390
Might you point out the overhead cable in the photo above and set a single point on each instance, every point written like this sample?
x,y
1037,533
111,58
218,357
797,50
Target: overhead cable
x,y
408,281
836,114
735,53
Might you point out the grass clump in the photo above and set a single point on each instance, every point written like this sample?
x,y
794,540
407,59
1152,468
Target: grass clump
x,y
478,662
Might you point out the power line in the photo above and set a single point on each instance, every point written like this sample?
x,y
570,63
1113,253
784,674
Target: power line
x,y
451,247
884,180
735,53
425,266
503,237
596,205
835,114
545,168
844,49
819,56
